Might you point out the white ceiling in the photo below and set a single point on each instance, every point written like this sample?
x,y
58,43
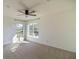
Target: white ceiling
x,y
42,7
11,7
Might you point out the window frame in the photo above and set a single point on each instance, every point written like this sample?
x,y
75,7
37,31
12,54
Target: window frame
x,y
33,35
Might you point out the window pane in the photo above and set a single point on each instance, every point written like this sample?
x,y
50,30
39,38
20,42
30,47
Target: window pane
x,y
31,29
36,30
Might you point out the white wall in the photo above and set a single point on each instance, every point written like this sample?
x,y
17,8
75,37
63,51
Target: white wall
x,y
9,29
57,27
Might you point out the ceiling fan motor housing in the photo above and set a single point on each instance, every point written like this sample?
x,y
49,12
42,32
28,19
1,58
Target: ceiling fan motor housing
x,y
26,12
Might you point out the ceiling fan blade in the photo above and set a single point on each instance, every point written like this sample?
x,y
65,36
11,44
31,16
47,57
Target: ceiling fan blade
x,y
32,11
32,14
20,14
21,11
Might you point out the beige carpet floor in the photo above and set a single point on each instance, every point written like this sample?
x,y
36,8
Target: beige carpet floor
x,y
31,50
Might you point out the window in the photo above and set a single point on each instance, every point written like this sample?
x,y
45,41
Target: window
x,y
33,30
19,28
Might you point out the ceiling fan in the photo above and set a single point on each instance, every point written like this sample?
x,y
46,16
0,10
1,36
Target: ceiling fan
x,y
26,11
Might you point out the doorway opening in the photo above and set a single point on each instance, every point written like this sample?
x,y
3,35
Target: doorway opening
x,y
20,36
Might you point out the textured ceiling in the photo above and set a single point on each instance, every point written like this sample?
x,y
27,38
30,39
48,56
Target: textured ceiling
x,y
11,7
42,7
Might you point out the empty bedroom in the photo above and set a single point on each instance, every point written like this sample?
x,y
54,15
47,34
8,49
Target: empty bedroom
x,y
39,29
